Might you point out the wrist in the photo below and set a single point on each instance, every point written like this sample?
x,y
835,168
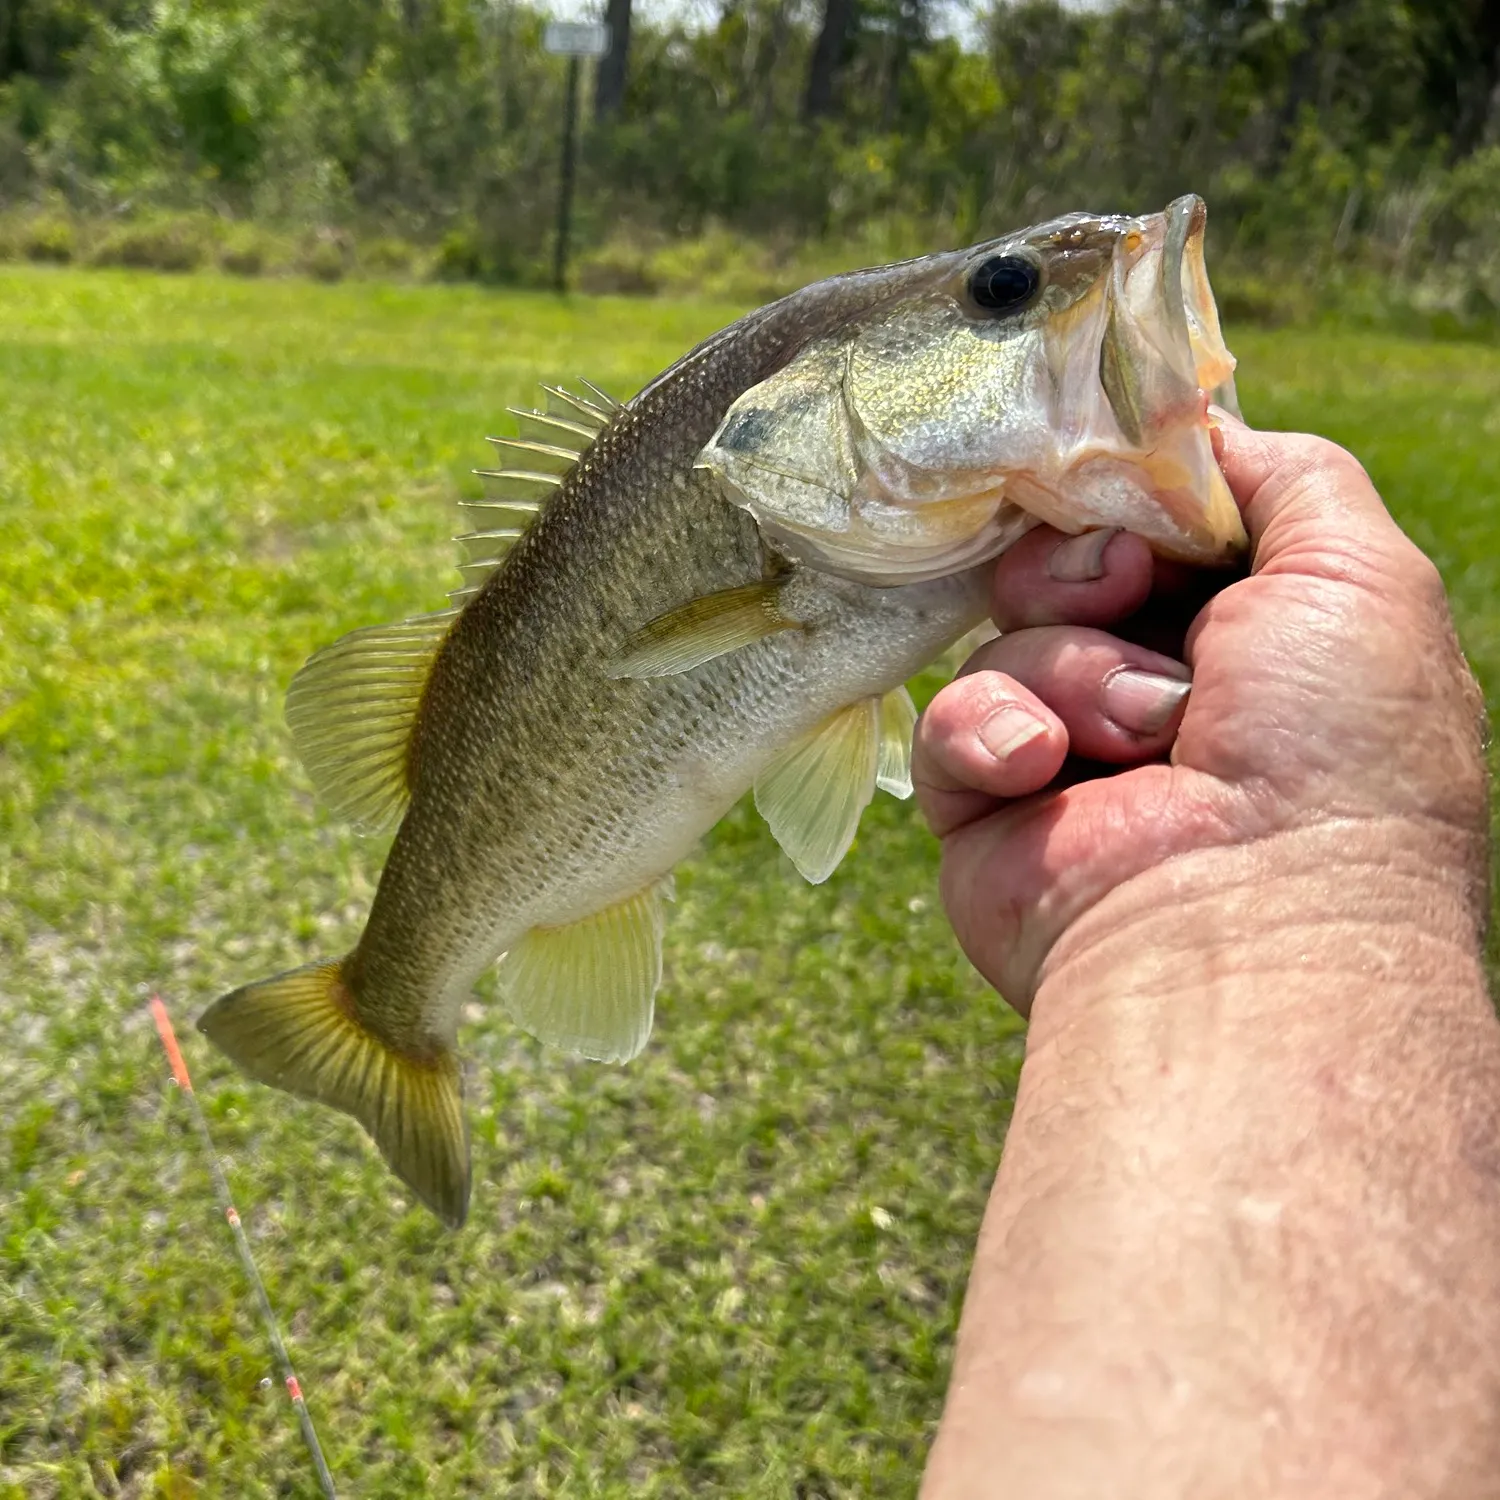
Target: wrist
x,y
1252,1177
1284,919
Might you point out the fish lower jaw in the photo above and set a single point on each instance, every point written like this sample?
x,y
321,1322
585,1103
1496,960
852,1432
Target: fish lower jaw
x,y
1173,496
889,540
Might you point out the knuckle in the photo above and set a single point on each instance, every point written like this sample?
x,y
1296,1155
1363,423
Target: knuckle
x,y
1423,581
948,713
1320,461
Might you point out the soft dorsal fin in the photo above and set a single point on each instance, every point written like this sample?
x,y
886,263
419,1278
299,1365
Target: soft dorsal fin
x,y
813,793
351,710
589,987
532,466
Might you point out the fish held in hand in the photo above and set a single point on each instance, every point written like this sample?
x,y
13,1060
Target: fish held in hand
x,y
722,584
1059,375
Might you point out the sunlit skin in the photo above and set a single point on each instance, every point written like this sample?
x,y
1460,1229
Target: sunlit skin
x,y
1245,1238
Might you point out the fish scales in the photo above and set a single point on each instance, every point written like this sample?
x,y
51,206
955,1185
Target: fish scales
x,y
521,728
727,589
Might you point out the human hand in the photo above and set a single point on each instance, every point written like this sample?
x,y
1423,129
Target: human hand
x,y
1332,728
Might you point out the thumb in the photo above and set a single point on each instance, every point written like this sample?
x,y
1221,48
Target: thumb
x,y
1303,497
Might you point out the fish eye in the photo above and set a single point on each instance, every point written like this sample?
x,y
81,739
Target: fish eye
x,y
1004,283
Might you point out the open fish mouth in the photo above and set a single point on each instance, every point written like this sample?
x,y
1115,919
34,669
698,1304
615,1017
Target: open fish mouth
x,y
1162,343
1061,374
1162,359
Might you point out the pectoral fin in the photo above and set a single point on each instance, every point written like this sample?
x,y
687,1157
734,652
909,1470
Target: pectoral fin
x,y
590,987
898,720
813,793
703,629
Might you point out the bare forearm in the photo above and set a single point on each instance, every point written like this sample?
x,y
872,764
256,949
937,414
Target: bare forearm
x,y
1245,1240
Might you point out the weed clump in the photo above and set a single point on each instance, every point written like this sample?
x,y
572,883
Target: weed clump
x,y
174,245
245,251
48,240
328,257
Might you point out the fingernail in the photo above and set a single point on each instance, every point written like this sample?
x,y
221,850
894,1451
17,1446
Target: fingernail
x,y
1143,702
1219,417
1080,559
1007,729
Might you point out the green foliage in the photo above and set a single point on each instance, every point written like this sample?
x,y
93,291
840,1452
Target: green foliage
x,y
387,256
1332,137
732,1268
327,256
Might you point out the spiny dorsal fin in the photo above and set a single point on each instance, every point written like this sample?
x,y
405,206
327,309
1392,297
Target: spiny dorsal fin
x,y
813,793
898,721
590,987
351,710
558,453
503,523
703,629
532,466
561,402
550,427
602,399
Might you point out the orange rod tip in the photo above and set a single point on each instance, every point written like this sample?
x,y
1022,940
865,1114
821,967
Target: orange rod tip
x,y
169,1043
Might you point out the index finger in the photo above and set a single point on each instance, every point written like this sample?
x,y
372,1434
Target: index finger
x,y
1049,578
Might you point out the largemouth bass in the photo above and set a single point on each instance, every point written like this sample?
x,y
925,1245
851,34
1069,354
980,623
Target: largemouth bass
x,y
729,582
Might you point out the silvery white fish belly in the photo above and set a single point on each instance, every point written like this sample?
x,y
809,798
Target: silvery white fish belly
x,y
722,584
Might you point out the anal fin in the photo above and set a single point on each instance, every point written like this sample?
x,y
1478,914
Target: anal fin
x,y
299,1032
590,987
703,629
813,793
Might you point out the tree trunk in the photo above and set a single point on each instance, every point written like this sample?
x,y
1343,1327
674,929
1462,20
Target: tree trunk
x,y
13,58
609,85
910,35
1308,70
828,54
769,48
1478,94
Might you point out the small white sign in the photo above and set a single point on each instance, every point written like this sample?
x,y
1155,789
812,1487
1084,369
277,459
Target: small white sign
x,y
576,38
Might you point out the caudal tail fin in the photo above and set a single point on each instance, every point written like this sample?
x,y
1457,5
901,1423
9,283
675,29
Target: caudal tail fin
x,y
299,1032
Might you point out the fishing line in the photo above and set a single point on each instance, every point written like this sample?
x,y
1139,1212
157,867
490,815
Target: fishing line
x,y
242,1244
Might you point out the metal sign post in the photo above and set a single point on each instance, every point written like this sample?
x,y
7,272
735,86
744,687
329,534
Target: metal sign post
x,y
573,40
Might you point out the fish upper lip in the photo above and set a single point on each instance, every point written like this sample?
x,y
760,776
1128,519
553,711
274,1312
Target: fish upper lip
x,y
1186,218
1152,312
1169,234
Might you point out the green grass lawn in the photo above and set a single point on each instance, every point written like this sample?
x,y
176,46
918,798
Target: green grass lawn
x,y
732,1268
